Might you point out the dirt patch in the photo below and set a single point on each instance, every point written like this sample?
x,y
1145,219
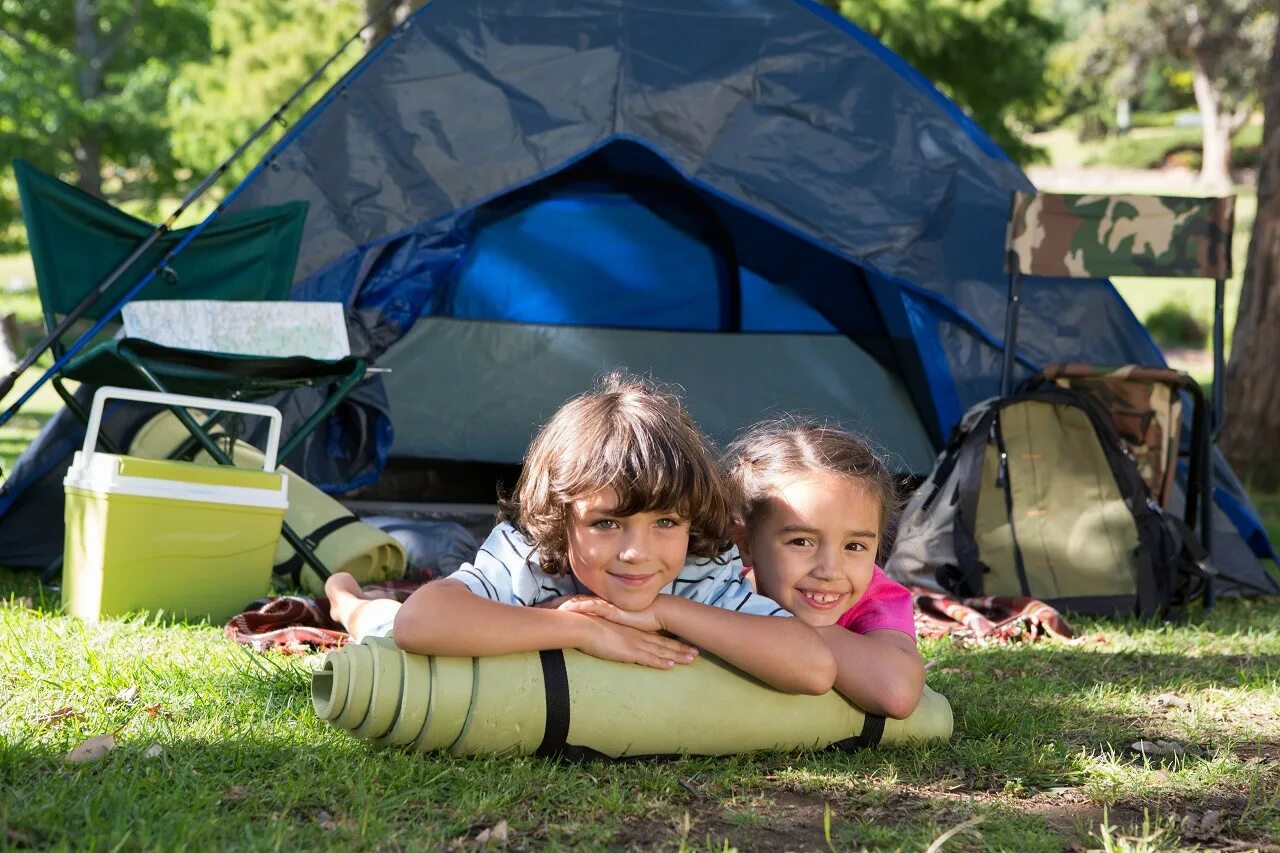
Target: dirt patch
x,y
784,819
789,819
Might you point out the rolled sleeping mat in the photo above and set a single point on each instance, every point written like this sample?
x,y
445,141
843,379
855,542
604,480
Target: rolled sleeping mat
x,y
341,541
566,702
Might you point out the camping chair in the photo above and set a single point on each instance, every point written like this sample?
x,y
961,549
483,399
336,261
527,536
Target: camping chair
x,y
76,239
1093,236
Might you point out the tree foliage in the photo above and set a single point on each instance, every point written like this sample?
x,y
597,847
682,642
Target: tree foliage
x,y
263,50
990,56
1223,43
83,86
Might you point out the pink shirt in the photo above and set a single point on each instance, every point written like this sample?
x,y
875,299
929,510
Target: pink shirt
x,y
886,604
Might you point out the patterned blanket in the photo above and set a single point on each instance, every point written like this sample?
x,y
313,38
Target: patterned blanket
x,y
990,620
296,624
299,625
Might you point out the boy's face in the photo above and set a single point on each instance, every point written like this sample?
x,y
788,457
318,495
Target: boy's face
x,y
813,546
625,560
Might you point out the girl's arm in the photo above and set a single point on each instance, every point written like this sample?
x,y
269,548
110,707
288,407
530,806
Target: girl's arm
x,y
783,653
880,671
446,618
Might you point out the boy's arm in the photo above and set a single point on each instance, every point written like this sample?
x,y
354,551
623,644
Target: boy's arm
x,y
782,652
446,618
880,671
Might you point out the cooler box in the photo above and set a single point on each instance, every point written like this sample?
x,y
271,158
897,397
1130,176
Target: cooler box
x,y
193,541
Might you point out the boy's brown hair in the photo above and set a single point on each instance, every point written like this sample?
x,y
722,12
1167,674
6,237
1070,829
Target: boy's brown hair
x,y
630,435
782,448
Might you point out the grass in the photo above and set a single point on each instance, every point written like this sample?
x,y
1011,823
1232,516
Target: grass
x,y
219,748
1148,147
18,433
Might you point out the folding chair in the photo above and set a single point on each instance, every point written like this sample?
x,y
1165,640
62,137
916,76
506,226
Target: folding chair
x,y
1096,236
76,240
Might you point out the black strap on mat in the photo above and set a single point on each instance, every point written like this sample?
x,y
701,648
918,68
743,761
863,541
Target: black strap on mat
x,y
293,566
868,738
555,684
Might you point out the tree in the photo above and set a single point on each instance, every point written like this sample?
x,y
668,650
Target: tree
x,y
1251,437
263,50
1225,43
955,43
83,86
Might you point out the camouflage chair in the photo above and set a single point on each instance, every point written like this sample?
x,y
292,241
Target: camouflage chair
x,y
1097,236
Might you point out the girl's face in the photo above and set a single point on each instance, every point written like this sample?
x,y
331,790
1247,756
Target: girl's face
x,y
813,545
626,560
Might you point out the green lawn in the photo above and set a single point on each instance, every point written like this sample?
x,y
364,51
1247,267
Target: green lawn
x,y
218,748
1148,147
18,433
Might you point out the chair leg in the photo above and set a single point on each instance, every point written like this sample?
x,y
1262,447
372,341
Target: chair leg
x,y
306,552
331,402
207,442
187,448
79,411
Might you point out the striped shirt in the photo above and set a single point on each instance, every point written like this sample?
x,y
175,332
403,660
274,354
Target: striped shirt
x,y
507,569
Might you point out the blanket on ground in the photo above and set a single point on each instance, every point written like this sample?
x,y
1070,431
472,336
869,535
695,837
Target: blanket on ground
x,y
990,620
296,624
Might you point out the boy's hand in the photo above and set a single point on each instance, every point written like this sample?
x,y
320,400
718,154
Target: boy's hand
x,y
612,641
554,603
641,620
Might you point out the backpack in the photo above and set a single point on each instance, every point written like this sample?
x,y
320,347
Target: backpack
x,y
1036,495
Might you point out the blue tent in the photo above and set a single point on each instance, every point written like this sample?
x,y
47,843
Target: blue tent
x,y
751,198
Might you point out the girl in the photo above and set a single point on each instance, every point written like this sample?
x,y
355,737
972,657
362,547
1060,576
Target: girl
x,y
619,507
814,503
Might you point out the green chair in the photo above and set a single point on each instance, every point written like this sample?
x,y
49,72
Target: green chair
x,y
76,240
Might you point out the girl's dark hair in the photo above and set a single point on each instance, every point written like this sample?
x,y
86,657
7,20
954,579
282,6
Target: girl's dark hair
x,y
778,449
629,435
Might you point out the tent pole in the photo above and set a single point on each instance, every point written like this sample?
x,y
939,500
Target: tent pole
x,y
91,299
1011,325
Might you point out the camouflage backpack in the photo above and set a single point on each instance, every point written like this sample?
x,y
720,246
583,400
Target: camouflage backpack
x,y
1037,495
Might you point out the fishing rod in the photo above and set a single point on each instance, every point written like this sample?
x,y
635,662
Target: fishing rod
x,y
93,296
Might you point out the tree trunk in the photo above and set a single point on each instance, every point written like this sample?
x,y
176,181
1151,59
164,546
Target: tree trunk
x,y
10,343
1215,164
87,149
1251,439
381,27
386,23
1215,129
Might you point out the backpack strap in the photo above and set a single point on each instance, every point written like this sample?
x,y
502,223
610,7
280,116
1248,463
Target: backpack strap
x,y
966,577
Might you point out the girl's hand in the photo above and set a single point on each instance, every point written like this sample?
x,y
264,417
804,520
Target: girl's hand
x,y
641,620
612,641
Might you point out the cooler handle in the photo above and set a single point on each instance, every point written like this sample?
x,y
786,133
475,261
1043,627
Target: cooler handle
x,y
271,413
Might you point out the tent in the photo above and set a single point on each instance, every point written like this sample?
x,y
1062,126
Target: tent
x,y
751,198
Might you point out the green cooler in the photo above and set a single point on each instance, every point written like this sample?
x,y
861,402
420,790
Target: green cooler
x,y
191,541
